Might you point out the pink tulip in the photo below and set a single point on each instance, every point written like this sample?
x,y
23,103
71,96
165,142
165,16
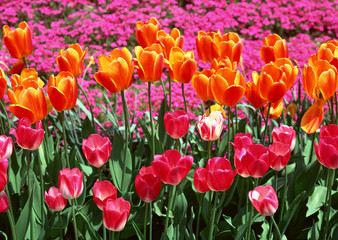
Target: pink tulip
x,y
4,204
70,183
176,124
6,146
171,168
147,184
279,155
102,191
285,135
210,128
242,140
96,149
115,214
55,201
328,131
27,137
264,199
200,180
327,148
3,173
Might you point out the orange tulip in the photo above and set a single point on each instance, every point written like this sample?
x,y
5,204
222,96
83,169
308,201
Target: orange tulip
x,y
17,67
231,46
227,86
206,46
252,92
116,70
290,71
71,60
3,83
62,91
215,107
202,84
27,78
327,51
168,41
223,63
182,65
149,64
274,47
275,110
146,32
29,102
18,41
320,80
272,86
313,117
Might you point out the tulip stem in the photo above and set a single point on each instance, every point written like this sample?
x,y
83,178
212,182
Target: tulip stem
x,y
25,62
178,145
145,222
169,94
211,230
2,126
65,137
28,152
283,195
186,111
312,146
90,106
126,134
199,215
151,123
209,149
328,198
171,201
229,124
99,173
266,124
277,228
251,211
42,188
60,226
236,118
10,214
74,219
165,94
150,222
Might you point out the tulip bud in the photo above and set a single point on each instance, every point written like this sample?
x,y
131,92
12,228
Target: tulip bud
x,y
176,124
200,180
4,203
284,134
115,214
279,155
102,191
147,184
327,148
70,183
3,173
6,146
55,201
210,128
264,199
96,149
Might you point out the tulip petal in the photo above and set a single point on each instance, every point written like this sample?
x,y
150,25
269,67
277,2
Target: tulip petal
x,y
313,118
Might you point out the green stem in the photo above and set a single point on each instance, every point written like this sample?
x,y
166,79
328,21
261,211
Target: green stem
x,y
332,112
169,94
209,107
145,222
171,201
199,215
99,173
65,137
277,228
312,146
74,220
10,214
209,149
251,211
186,111
328,198
126,136
42,188
165,94
229,124
28,155
178,145
284,195
25,62
213,217
151,122
2,126
266,124
90,106
276,180
241,194
236,119
60,226
150,222
115,102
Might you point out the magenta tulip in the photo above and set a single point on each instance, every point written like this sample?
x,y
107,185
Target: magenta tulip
x,y
96,149
70,183
4,203
102,191
264,199
285,135
176,124
6,146
115,214
327,148
200,180
279,155
3,173
55,201
147,184
242,140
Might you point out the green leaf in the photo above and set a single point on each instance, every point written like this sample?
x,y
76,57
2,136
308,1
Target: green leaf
x,y
307,178
87,128
137,230
85,228
316,200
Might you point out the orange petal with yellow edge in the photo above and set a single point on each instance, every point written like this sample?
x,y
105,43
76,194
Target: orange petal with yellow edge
x,y
104,80
21,111
313,118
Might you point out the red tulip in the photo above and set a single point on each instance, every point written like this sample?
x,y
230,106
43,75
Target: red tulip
x,y
252,161
176,124
210,128
4,204
27,137
102,191
171,168
279,155
54,199
3,173
219,174
115,214
242,140
284,134
200,180
147,184
3,84
6,146
96,149
70,182
327,148
264,199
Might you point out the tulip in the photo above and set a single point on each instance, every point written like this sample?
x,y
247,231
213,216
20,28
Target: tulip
x,y
6,146
54,199
176,124
168,41
149,64
206,46
284,134
227,86
115,214
252,161
147,184
224,62
200,180
274,47
327,148
17,67
62,91
27,137
327,51
116,70
71,59
96,149
202,84
29,103
279,155
242,140
3,84
276,109
219,174
210,128
146,32
27,78
252,92
18,41
215,107
3,173
70,183
264,199
313,117
182,65
290,71
4,203
102,191
171,168
231,47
